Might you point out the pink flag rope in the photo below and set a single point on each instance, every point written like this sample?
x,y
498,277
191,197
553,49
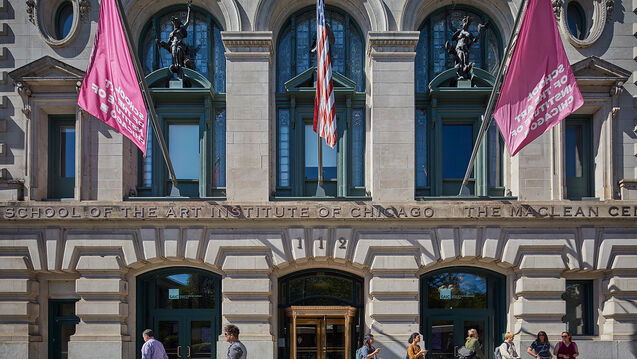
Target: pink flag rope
x,y
539,89
110,90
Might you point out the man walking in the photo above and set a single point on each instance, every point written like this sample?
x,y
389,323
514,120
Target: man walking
x,y
236,350
152,348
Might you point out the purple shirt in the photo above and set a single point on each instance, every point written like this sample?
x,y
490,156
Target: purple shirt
x,y
153,349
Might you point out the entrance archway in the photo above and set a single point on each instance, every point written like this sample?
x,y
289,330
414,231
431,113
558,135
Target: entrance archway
x,y
454,300
183,307
320,315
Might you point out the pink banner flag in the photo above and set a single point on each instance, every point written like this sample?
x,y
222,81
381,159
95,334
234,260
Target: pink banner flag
x,y
539,89
110,90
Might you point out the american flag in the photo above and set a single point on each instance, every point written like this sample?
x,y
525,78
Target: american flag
x,y
324,109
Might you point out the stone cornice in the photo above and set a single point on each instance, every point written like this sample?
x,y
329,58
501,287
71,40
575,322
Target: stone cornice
x,y
392,43
247,44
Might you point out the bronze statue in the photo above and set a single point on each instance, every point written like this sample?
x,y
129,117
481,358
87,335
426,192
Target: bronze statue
x,y
176,44
464,40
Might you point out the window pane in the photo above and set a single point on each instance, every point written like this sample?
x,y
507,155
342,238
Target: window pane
x,y
494,160
358,148
311,156
184,150
67,152
284,148
574,151
576,20
356,59
220,62
201,339
457,144
422,72
64,20
422,174
185,291
456,290
283,59
577,296
442,342
66,331
147,166
303,41
199,43
219,164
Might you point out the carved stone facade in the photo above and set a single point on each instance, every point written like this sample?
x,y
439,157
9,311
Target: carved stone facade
x,y
94,247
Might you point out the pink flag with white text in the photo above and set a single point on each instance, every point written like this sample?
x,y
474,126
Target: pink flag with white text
x,y
539,89
110,90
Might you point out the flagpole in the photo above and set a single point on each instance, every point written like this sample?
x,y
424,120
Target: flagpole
x,y
487,117
149,100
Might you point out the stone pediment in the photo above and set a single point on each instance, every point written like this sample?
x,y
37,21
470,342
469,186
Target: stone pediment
x,y
47,75
595,74
304,82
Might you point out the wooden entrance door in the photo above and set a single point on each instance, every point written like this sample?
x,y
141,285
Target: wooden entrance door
x,y
320,332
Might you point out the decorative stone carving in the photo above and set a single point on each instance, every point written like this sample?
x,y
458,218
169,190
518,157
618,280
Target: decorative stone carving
x,y
31,9
85,7
602,13
25,92
557,8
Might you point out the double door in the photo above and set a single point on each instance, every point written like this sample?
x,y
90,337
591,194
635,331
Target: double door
x,y
186,335
320,338
447,333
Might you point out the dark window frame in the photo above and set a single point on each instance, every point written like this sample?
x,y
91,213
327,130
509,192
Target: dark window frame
x,y
588,318
55,325
580,187
59,186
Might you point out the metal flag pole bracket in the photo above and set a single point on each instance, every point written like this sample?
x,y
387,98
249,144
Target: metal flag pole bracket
x,y
174,191
487,116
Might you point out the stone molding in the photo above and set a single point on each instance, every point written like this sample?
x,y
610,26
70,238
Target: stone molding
x,y
392,44
37,10
601,15
243,44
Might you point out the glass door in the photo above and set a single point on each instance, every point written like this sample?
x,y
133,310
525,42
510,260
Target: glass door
x,y
447,334
320,338
184,337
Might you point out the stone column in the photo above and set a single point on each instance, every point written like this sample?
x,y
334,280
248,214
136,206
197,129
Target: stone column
x,y
19,310
247,292
102,309
248,65
392,104
393,302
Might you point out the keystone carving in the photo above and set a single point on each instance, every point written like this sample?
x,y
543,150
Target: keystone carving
x,y
85,8
30,9
557,8
610,6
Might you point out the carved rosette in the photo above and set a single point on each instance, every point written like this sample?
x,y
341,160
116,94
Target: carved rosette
x,y
85,8
30,9
557,8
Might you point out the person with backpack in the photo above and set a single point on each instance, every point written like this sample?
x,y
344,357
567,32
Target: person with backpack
x,y
507,348
473,344
413,350
367,351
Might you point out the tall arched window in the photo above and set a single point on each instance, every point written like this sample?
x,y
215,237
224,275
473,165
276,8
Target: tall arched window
x,y
191,113
297,144
448,113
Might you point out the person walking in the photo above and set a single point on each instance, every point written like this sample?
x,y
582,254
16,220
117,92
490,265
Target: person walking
x,y
368,351
413,350
152,348
507,348
236,350
473,344
541,347
566,349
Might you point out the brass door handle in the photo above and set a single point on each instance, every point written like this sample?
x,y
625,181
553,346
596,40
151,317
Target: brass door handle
x,y
455,351
178,348
188,351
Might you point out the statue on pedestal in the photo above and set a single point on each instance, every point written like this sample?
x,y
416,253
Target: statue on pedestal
x,y
464,40
176,44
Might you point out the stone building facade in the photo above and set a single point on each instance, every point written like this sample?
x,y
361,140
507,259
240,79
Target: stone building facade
x,y
93,249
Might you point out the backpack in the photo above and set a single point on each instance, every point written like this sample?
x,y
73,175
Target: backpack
x,y
358,353
497,353
465,353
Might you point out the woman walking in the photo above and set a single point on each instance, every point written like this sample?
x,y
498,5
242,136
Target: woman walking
x,y
566,349
368,351
541,347
413,350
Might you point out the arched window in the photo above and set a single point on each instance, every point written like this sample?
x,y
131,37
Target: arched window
x,y
297,146
448,112
191,113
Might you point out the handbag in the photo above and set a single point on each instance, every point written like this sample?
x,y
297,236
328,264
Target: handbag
x,y
465,353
